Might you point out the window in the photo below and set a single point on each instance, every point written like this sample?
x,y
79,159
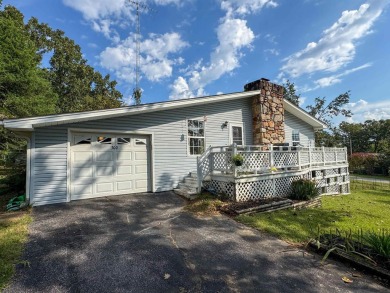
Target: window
x,y
295,137
237,135
82,140
123,140
195,137
104,140
140,141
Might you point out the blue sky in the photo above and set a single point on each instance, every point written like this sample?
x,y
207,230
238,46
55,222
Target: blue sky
x,y
194,48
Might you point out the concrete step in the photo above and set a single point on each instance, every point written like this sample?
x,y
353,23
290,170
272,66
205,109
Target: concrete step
x,y
185,193
193,174
189,185
189,188
191,180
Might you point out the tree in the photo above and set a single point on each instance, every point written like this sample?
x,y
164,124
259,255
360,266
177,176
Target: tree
x,y
325,112
354,136
25,89
78,85
290,93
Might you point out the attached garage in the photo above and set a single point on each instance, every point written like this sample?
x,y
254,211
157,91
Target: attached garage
x,y
104,164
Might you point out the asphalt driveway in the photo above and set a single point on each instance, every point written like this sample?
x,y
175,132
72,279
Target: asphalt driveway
x,y
147,243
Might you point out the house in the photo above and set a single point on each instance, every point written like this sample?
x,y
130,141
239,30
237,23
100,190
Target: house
x,y
153,147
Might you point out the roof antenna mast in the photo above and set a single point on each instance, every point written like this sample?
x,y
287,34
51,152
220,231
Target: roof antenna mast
x,y
137,92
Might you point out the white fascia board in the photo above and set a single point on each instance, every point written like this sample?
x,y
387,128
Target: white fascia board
x,y
28,124
303,115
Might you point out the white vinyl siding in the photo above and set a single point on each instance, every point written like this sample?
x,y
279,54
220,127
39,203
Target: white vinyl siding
x,y
171,161
306,131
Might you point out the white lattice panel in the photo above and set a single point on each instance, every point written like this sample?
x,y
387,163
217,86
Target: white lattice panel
x,y
316,157
304,158
345,188
254,190
320,182
330,157
341,156
319,173
283,185
282,159
343,170
222,161
205,167
333,189
331,172
221,187
255,160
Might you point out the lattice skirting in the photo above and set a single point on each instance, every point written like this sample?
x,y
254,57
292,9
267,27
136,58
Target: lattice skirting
x,y
328,181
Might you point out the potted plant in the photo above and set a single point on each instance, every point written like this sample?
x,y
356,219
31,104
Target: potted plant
x,y
238,160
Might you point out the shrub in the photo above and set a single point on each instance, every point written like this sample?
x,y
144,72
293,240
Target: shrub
x,y
379,242
303,189
237,160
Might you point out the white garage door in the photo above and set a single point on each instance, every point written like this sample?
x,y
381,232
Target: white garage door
x,y
105,164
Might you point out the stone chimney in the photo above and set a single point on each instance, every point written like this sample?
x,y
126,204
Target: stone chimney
x,y
267,112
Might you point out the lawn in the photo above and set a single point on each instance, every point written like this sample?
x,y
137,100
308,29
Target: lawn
x,y
13,235
362,209
373,177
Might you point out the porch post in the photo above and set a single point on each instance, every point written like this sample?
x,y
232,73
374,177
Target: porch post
x,y
323,156
271,155
234,153
199,175
299,158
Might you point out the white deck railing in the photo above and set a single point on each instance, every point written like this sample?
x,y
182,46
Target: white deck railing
x,y
260,158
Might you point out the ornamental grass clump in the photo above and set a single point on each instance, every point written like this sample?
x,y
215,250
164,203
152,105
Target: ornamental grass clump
x,y
303,189
379,242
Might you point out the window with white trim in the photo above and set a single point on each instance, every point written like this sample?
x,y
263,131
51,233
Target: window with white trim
x,y
237,136
196,139
295,137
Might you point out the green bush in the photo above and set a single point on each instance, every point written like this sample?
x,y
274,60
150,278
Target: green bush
x,y
238,160
303,189
379,242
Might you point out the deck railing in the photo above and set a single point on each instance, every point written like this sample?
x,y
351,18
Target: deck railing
x,y
261,158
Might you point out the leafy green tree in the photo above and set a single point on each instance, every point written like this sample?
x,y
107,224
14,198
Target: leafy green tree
x,y
25,89
290,93
354,136
78,85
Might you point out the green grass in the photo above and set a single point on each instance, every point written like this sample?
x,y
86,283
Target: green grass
x,y
373,177
13,235
363,209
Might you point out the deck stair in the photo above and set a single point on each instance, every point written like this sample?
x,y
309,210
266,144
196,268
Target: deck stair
x,y
188,188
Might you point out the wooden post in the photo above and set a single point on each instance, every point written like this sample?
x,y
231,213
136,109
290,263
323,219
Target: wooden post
x,y
234,153
309,157
199,174
299,159
271,155
323,155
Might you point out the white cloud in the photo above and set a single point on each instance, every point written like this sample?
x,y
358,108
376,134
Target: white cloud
x,y
233,35
103,15
363,110
334,79
337,47
243,7
180,90
155,60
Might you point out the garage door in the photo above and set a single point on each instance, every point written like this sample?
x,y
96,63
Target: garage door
x,y
105,164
